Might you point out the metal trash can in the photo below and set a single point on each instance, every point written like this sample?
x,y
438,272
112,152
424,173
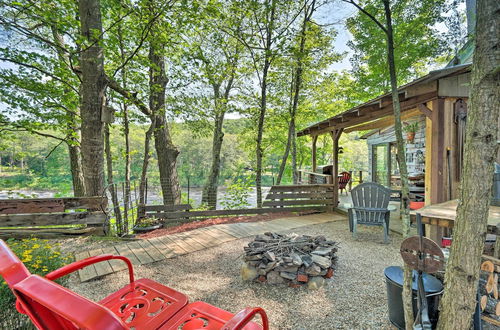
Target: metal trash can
x,y
394,281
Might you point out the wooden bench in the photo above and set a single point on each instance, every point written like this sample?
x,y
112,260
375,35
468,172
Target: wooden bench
x,y
317,197
161,211
48,217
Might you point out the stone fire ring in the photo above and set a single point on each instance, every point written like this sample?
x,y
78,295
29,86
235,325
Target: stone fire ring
x,y
293,259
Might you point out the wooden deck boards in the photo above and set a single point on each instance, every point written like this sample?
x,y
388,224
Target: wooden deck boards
x,y
103,267
88,272
117,265
151,250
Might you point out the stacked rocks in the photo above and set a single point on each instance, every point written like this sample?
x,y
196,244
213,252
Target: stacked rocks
x,y
290,259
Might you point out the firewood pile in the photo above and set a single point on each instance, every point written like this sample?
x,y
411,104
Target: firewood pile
x,y
294,259
488,289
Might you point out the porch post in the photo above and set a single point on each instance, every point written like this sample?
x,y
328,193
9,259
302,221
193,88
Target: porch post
x,y
435,165
335,159
314,165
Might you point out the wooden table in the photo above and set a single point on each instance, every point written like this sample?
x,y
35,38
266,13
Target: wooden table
x,y
444,214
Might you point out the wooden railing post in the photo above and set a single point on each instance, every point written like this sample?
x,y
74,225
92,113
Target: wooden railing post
x,y
350,181
335,172
314,165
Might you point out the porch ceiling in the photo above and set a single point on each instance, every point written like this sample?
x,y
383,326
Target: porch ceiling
x,y
379,110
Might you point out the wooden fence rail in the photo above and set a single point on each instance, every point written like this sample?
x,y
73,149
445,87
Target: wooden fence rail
x,y
290,198
43,217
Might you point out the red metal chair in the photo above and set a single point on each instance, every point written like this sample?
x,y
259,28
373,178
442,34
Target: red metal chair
x,y
344,179
141,304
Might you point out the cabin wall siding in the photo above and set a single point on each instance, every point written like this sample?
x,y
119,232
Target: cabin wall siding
x,y
388,134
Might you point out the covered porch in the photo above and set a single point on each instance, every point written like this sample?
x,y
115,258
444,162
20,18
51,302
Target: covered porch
x,y
439,102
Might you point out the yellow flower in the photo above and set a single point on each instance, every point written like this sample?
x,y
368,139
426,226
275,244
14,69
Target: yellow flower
x,y
36,246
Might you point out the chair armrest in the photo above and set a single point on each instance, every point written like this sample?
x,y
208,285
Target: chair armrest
x,y
72,267
238,321
347,205
371,209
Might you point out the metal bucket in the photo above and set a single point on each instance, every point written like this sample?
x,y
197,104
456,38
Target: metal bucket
x,y
394,281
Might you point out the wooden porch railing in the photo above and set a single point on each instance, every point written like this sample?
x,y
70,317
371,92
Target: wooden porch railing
x,y
308,177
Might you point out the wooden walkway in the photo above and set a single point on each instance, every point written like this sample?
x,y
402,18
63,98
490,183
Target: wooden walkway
x,y
146,251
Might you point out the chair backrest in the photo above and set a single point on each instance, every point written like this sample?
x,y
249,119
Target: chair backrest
x,y
51,306
344,179
370,200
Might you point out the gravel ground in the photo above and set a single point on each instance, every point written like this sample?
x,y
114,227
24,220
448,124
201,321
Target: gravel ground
x,y
354,298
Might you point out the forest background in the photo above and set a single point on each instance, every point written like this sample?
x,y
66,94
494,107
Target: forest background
x,y
215,56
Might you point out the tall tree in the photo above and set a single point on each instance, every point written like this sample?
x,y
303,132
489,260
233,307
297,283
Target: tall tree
x,y
155,31
388,31
414,23
265,35
214,58
480,152
92,96
165,149
40,83
309,7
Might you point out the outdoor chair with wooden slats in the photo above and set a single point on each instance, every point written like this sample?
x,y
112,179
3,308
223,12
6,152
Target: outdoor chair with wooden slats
x,y
141,304
370,207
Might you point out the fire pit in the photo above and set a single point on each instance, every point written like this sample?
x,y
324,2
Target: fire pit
x,y
290,259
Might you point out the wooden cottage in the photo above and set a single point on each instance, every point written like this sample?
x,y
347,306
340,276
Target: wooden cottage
x,y
437,102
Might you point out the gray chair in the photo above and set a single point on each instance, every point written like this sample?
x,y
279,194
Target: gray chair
x,y
370,207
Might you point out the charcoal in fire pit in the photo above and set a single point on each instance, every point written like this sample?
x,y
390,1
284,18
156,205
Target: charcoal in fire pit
x,y
307,260
270,255
313,270
274,258
323,251
296,260
321,261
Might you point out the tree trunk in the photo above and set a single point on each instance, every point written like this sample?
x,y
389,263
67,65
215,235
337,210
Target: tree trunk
x,y
285,156
145,164
126,129
400,144
76,170
75,156
480,151
263,103
92,96
293,135
297,84
210,189
260,132
165,150
122,228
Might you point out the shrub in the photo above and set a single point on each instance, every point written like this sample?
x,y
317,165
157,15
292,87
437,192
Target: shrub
x,y
40,257
236,196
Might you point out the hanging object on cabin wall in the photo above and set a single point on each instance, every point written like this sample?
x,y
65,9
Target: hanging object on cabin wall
x,y
460,115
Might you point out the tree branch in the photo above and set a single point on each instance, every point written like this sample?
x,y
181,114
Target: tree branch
x,y
367,14
129,96
40,70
